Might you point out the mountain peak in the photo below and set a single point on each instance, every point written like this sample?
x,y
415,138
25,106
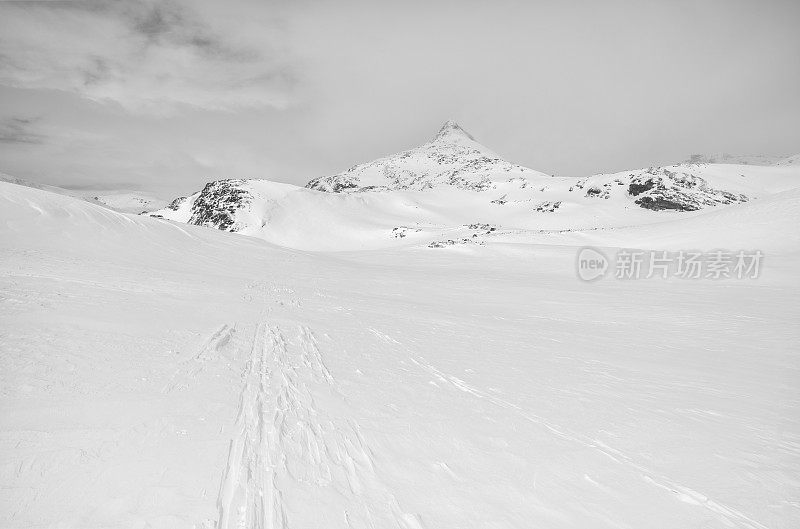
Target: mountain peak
x,y
451,132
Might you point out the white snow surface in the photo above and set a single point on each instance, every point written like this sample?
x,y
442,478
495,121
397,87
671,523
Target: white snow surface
x,y
452,188
124,201
129,201
155,374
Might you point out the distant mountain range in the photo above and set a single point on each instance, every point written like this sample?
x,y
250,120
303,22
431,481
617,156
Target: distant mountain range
x,y
743,159
453,190
123,201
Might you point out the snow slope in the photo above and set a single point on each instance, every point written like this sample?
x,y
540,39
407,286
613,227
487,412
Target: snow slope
x,y
129,201
161,375
23,182
452,189
123,201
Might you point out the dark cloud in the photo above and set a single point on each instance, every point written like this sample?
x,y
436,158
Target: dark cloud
x,y
159,20
20,130
168,23
142,54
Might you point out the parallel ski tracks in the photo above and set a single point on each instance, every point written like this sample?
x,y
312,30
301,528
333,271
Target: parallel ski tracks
x,y
288,450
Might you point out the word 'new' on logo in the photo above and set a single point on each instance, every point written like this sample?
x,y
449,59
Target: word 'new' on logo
x,y
592,264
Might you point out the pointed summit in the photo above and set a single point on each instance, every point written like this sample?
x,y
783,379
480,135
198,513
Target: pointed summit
x,y
451,132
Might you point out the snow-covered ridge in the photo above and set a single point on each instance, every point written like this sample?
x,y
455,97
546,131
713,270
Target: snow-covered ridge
x,y
122,201
740,159
790,160
127,201
452,158
428,194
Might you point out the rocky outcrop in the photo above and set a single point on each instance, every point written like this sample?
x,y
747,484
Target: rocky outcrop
x,y
547,207
661,189
176,204
217,204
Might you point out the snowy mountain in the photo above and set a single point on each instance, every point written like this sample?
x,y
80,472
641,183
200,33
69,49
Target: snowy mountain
x,y
128,201
122,201
452,158
790,160
437,193
35,185
735,159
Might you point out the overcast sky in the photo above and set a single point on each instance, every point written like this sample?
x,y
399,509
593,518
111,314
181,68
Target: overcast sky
x,y
164,96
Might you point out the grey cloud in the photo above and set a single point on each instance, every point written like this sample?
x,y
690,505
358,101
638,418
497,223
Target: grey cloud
x,y
96,72
144,55
20,130
159,20
172,24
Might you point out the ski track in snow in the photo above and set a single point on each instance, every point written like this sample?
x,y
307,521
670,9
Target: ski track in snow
x,y
287,450
727,515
